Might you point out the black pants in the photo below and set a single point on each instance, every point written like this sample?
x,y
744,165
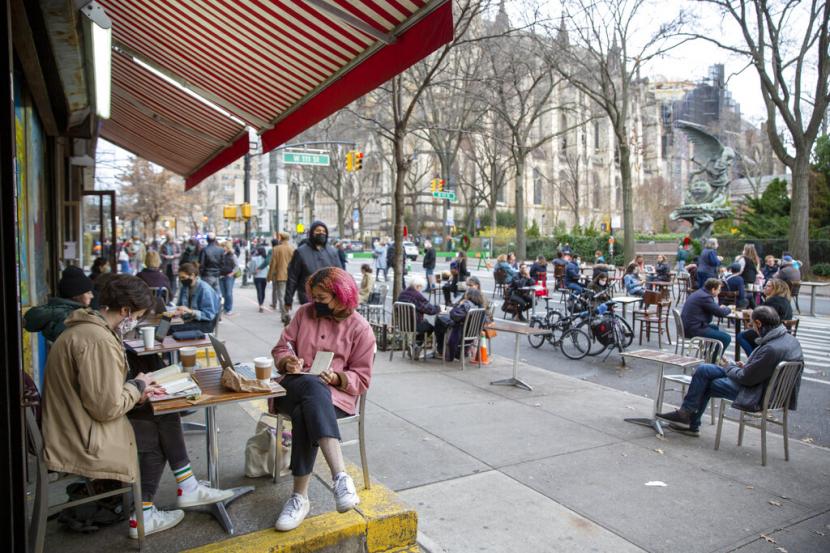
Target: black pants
x,y
442,324
313,416
377,273
260,284
523,302
450,290
173,278
424,327
160,440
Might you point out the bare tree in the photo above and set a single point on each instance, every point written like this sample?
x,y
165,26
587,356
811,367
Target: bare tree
x,y
570,183
149,195
599,50
788,44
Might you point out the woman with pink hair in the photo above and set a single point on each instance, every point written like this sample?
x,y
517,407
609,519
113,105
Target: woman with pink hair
x,y
329,323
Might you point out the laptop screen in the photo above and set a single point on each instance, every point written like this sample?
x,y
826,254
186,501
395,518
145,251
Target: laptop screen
x,y
163,329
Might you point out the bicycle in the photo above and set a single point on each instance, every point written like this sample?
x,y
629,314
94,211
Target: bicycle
x,y
607,329
574,342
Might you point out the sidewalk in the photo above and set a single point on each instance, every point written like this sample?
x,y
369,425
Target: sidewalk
x,y
499,469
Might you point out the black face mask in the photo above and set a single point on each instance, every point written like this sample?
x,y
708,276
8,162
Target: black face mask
x,y
187,282
319,239
323,309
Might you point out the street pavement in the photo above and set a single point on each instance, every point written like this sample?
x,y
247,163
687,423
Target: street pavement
x,y
491,468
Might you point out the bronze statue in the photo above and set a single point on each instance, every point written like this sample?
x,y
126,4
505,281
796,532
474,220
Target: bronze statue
x,y
705,200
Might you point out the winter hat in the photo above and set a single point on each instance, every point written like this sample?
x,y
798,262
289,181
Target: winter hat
x,y
787,258
74,283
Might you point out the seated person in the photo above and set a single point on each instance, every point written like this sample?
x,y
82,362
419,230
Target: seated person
x,y
522,299
328,323
99,267
700,307
198,301
572,273
539,268
744,384
735,283
458,273
631,281
501,263
769,268
367,283
87,395
599,259
777,295
152,275
74,292
661,270
787,271
601,288
413,295
454,320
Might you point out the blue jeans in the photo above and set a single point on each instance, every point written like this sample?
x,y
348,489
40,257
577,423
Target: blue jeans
x,y
226,285
714,332
746,340
576,287
708,381
702,278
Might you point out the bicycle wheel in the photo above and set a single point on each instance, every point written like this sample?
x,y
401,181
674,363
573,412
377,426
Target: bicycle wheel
x,y
536,340
627,333
554,325
584,326
575,344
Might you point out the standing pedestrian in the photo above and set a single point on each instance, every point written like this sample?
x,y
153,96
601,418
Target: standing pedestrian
x,y
708,262
210,262
190,253
429,264
341,253
137,254
682,258
259,270
124,259
278,274
379,252
170,252
227,277
311,255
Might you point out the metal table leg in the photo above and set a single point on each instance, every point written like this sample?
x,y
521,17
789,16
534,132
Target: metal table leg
x,y
737,345
653,422
514,380
812,301
218,510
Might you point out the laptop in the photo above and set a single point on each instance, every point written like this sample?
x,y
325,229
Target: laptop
x,y
245,370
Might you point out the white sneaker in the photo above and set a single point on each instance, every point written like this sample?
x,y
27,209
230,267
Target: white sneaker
x,y
293,512
345,494
156,521
202,495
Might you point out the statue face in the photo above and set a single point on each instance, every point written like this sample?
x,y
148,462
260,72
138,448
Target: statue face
x,y
699,190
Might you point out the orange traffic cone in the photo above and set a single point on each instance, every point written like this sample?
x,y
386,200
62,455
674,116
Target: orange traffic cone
x,y
481,354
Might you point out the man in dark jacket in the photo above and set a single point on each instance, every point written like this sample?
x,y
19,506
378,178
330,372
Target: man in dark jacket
x,y
74,292
429,264
744,384
700,308
735,283
787,271
210,262
412,294
572,274
170,252
311,255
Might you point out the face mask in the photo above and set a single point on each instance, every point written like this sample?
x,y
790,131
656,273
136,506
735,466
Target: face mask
x,y
319,239
105,268
187,282
127,325
322,309
602,283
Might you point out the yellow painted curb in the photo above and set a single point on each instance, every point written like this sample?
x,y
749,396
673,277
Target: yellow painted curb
x,y
389,522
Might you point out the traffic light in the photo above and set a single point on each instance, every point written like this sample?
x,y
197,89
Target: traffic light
x,y
350,161
358,161
440,185
433,184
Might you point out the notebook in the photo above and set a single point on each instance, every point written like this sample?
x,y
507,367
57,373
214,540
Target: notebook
x,y
176,383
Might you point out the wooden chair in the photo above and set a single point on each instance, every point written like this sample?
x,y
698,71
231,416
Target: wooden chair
x,y
500,276
404,324
658,317
470,334
359,418
41,510
791,326
559,276
776,398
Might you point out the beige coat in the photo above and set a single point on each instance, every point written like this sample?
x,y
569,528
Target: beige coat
x,y
367,284
85,401
280,258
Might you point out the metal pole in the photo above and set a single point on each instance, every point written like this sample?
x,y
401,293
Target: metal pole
x,y
246,198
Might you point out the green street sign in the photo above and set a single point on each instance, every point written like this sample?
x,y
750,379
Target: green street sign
x,y
444,196
301,158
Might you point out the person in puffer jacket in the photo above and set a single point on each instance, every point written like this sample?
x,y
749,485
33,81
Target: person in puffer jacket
x,y
74,292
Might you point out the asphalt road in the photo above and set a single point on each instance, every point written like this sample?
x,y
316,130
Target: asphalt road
x,y
811,422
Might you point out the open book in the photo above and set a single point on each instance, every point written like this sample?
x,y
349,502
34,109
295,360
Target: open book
x,y
176,383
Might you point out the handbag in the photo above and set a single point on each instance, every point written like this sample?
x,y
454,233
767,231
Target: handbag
x,y
183,335
261,449
489,333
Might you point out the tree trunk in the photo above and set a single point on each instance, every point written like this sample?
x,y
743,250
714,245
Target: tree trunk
x,y
628,212
341,218
400,185
799,234
521,242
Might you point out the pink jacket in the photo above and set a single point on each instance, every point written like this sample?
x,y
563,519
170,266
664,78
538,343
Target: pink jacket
x,y
351,340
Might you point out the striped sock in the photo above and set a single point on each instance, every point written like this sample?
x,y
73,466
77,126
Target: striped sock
x,y
185,479
147,505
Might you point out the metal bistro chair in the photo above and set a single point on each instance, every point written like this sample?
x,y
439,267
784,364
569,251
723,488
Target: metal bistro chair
x,y
161,292
359,418
776,398
41,508
376,306
684,284
708,350
471,334
405,325
681,342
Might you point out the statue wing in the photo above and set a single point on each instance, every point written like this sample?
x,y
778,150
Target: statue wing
x,y
707,146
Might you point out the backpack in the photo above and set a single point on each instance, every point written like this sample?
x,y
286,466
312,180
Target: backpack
x,y
603,331
90,517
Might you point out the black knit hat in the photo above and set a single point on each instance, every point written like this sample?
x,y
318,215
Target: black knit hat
x,y
73,283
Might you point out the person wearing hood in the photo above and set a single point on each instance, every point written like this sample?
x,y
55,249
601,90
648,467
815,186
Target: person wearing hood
x,y
74,292
787,271
743,383
311,255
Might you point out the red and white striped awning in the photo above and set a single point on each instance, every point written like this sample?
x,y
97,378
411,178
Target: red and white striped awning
x,y
276,66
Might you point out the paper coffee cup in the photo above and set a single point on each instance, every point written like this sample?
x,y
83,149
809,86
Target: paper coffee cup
x,y
149,335
187,356
262,366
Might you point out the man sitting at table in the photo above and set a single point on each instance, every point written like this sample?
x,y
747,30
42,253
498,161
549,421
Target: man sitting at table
x,y
777,295
572,273
735,283
412,294
699,310
744,384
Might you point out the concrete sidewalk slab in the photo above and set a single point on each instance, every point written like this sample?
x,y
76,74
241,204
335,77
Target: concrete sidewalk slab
x,y
808,536
432,389
697,511
491,512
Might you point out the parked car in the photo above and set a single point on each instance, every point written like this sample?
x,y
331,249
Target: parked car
x,y
411,250
353,245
